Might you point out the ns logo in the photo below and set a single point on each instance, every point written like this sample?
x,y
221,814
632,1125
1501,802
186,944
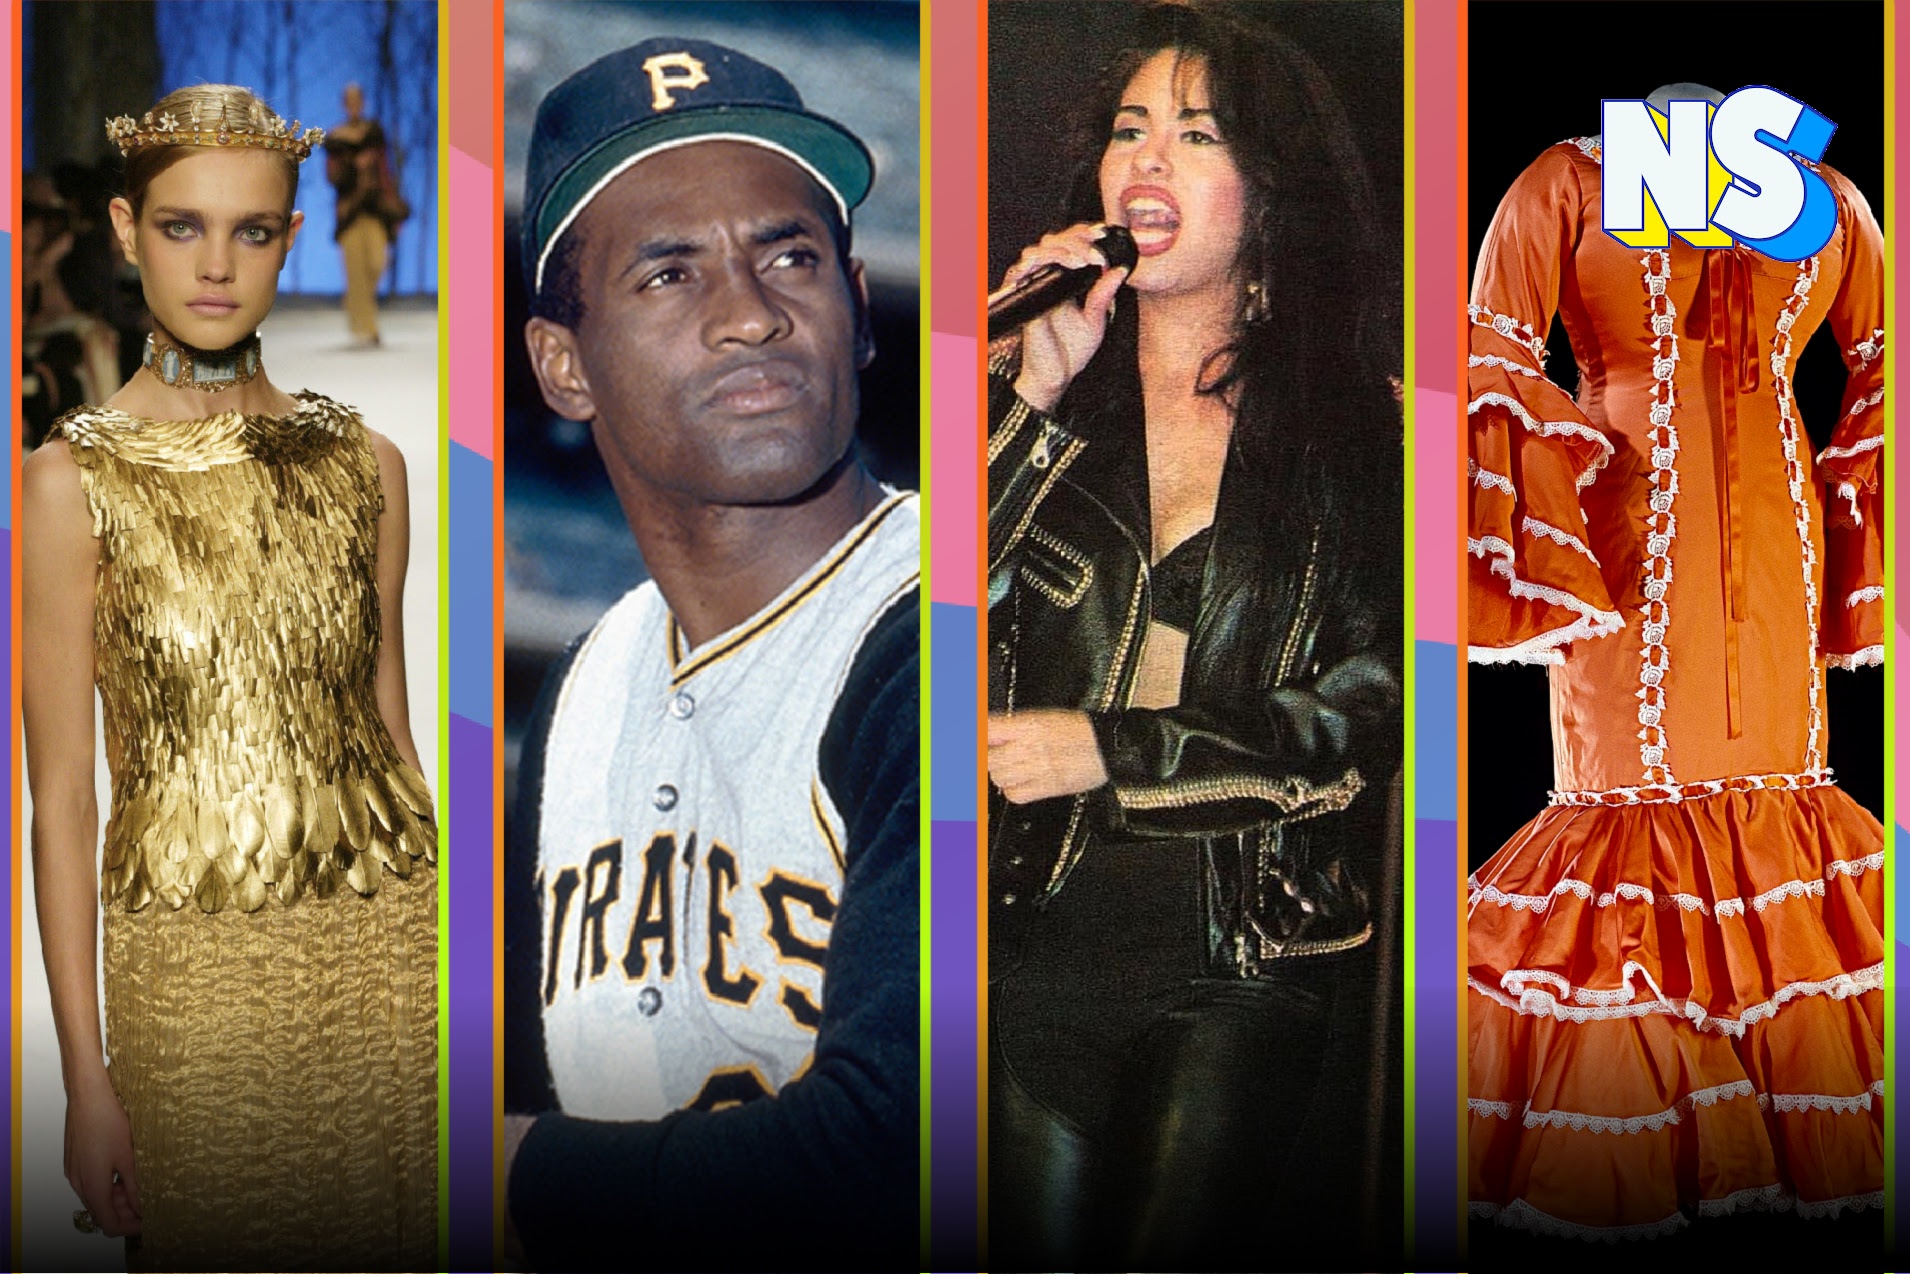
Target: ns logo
x,y
1715,173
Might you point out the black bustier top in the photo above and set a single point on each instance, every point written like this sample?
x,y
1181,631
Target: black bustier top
x,y
1175,600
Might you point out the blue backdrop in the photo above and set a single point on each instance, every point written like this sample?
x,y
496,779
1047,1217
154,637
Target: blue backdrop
x,y
298,55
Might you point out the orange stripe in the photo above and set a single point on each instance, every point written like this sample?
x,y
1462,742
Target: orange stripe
x,y
981,644
1462,700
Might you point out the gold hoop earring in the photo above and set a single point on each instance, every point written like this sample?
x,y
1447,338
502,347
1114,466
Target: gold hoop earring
x,y
1257,309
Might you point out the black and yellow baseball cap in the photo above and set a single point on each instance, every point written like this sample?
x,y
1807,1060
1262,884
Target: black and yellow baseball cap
x,y
659,95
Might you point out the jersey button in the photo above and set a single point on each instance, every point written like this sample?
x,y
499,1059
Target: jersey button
x,y
649,1000
665,798
682,706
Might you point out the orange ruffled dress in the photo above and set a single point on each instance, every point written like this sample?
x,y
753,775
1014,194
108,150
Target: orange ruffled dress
x,y
1675,970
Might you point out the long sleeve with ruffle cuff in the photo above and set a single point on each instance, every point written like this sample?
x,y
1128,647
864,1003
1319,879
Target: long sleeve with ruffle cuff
x,y
1534,580
1851,630
1534,583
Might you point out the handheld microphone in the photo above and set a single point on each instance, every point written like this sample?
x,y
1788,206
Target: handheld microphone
x,y
1052,284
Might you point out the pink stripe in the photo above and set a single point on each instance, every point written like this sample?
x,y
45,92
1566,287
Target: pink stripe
x,y
954,421
1437,318
957,268
473,325
1436,515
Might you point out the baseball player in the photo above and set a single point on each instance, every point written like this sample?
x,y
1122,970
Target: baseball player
x,y
712,943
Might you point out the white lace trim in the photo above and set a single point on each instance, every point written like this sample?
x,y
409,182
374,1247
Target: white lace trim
x,y
1861,445
1847,492
1868,593
1854,866
1789,889
1559,536
1770,1198
1592,147
1629,892
1661,525
1864,353
1542,649
1858,408
1865,658
1794,306
1673,1114
1775,1197
1832,1207
1495,360
1624,889
1672,793
1549,429
1534,1001
1487,478
1510,328
1520,1215
1628,1125
1787,1102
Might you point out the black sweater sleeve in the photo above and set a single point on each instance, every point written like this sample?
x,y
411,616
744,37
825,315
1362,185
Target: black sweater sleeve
x,y
527,1085
824,1174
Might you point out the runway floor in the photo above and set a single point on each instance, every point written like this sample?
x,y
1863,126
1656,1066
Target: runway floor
x,y
395,388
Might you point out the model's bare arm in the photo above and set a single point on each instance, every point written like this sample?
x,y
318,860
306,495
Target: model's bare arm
x,y
394,553
59,569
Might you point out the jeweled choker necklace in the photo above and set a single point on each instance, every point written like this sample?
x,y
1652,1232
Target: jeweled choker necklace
x,y
209,370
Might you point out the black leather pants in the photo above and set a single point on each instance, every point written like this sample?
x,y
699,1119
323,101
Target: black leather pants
x,y
1141,1116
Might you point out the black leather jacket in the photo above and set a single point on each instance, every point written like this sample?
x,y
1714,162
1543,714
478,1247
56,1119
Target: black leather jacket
x,y
1278,756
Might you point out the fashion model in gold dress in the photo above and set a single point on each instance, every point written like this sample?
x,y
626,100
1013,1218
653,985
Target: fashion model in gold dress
x,y
216,555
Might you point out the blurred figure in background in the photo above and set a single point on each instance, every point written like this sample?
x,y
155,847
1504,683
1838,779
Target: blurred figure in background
x,y
71,356
370,209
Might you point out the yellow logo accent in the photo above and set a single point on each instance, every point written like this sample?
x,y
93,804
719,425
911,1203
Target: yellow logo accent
x,y
661,83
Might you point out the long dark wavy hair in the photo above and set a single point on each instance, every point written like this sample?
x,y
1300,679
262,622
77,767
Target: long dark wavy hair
x,y
1317,440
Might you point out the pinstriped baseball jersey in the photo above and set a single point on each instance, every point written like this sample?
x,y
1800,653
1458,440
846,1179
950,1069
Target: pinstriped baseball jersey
x,y
690,860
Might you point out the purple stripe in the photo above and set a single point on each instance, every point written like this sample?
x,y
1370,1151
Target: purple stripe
x,y
953,1216
470,868
1900,1129
1436,1127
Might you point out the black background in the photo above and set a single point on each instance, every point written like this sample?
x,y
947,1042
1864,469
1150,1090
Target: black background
x,y
1568,56
1537,72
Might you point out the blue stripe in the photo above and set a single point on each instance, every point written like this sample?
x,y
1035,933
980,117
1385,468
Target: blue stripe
x,y
1436,698
470,618
953,743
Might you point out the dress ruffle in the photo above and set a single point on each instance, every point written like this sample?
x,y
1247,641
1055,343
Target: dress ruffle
x,y
1535,579
1851,469
1676,1008
1851,632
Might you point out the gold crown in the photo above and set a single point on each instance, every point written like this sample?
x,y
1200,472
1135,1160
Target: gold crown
x,y
268,133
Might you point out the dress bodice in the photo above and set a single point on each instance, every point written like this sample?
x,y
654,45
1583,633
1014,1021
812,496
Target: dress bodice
x,y
236,645
1683,449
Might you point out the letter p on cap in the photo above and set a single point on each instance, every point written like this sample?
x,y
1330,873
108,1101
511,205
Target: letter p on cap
x,y
662,82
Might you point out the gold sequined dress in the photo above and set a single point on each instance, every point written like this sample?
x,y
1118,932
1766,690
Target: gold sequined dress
x,y
270,907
